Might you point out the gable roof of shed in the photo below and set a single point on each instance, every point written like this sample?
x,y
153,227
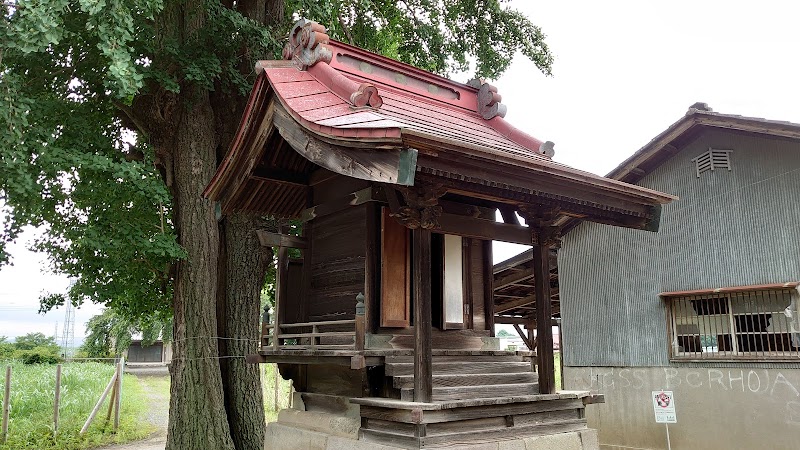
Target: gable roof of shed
x,y
698,117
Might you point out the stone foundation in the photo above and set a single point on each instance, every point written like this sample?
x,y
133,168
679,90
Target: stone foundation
x,y
309,430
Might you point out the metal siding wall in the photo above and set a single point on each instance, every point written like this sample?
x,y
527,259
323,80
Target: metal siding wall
x,y
728,229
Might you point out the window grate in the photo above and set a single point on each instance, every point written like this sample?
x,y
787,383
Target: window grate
x,y
752,325
712,159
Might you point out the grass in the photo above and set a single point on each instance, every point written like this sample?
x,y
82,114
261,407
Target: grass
x,y
268,373
32,398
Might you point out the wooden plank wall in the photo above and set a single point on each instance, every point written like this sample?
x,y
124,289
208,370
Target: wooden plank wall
x,y
337,264
337,247
476,280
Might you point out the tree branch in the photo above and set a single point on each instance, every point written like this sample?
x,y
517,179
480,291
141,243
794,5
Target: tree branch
x,y
125,109
346,30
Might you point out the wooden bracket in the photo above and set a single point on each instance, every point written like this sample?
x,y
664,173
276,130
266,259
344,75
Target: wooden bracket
x,y
270,239
421,209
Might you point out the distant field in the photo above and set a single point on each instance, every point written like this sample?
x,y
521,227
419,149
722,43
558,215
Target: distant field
x,y
32,395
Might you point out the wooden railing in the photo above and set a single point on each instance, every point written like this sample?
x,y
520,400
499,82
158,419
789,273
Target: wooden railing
x,y
323,335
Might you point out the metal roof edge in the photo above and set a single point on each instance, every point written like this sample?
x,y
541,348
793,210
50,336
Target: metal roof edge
x,y
731,289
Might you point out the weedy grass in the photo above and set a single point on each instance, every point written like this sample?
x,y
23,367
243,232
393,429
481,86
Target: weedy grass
x,y
268,374
32,396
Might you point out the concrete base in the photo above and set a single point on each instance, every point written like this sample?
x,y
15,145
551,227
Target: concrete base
x,y
307,430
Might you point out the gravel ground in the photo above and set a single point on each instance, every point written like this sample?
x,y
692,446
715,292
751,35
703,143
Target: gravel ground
x,y
157,387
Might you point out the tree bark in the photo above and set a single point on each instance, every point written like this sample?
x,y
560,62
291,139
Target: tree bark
x,y
197,413
243,265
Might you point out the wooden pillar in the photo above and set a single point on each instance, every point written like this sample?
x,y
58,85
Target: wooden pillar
x,y
544,313
488,286
423,355
280,294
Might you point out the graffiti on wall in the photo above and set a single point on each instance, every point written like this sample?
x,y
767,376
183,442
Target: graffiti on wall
x,y
761,382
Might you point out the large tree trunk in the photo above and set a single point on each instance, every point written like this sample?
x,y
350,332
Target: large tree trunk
x,y
197,413
243,267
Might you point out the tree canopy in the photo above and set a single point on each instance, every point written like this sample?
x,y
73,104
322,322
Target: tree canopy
x,y
115,114
77,159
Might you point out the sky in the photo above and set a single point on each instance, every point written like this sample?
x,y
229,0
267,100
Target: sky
x,y
623,72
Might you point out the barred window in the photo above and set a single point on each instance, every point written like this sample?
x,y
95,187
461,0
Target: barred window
x,y
712,159
737,323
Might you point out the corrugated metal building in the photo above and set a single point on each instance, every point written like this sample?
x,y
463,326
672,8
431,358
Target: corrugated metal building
x,y
736,224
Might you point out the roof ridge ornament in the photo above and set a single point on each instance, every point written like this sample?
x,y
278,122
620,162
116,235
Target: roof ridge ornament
x,y
489,105
307,44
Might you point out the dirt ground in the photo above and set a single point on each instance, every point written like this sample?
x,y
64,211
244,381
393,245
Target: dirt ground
x,y
156,384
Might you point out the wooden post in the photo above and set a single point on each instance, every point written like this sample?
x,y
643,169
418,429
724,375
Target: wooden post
x,y
560,352
6,403
360,322
544,313
99,403
488,286
118,400
280,288
111,403
57,400
423,326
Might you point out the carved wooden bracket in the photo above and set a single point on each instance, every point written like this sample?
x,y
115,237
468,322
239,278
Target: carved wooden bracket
x,y
307,44
421,208
541,221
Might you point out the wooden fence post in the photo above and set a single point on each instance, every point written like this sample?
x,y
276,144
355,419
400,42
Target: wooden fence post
x,y
99,403
57,400
111,403
6,404
120,370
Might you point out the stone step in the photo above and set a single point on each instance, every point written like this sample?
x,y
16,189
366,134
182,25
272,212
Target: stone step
x,y
442,368
483,391
469,379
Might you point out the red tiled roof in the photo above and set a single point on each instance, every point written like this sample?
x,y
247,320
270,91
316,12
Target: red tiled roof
x,y
357,100
412,103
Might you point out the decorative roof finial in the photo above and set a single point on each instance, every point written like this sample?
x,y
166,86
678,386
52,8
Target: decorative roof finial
x,y
307,44
489,105
547,149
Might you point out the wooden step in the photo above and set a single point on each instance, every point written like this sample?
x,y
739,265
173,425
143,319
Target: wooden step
x,y
461,358
395,369
469,379
467,435
468,392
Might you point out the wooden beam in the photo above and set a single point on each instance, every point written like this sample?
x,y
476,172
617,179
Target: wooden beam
x,y
507,320
513,279
270,239
280,176
483,229
423,320
544,312
509,216
525,337
508,306
392,164
365,195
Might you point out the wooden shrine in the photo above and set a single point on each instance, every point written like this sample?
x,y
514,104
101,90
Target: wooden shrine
x,y
397,175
